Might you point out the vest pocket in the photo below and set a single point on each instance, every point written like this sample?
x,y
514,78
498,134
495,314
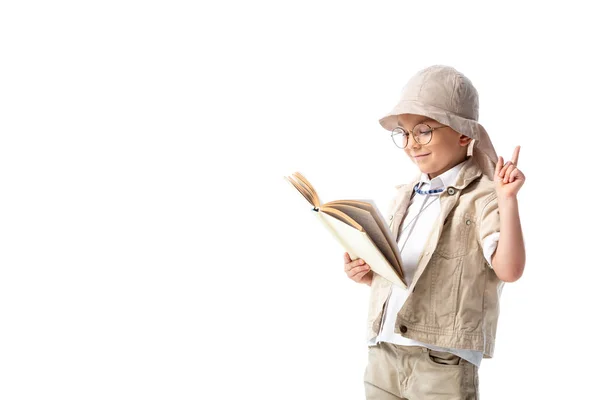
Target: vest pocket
x,y
456,232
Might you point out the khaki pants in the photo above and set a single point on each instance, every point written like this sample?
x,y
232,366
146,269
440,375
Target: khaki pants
x,y
417,373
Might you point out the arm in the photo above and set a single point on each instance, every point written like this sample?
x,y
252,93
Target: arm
x,y
508,260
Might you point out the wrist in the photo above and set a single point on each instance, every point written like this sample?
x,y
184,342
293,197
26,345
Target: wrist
x,y
502,199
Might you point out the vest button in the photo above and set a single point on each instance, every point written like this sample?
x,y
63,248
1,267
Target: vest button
x,y
403,328
450,191
391,217
468,222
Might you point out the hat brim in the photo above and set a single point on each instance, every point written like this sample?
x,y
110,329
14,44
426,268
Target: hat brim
x,y
462,125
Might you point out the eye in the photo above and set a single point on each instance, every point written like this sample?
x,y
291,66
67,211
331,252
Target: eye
x,y
422,129
400,132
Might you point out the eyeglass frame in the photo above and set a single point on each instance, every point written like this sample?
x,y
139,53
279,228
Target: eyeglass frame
x,y
411,131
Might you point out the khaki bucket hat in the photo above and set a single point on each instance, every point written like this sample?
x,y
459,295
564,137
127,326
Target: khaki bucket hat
x,y
447,96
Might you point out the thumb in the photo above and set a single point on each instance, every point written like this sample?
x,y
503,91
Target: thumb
x,y
347,258
499,165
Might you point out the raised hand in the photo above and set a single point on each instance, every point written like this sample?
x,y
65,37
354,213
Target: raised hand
x,y
508,177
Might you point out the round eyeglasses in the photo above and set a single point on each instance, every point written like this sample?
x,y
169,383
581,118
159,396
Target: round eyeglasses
x,y
422,133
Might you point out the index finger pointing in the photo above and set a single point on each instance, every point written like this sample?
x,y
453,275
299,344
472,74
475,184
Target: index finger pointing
x,y
515,157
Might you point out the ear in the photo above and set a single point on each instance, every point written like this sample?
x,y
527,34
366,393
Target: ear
x,y
464,140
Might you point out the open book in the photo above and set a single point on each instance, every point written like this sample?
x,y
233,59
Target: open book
x,y
359,227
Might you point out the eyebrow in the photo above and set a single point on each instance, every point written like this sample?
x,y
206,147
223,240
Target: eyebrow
x,y
420,122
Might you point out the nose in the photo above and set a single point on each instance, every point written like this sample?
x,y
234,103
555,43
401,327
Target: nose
x,y
414,143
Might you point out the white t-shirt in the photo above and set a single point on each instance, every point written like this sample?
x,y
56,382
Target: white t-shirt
x,y
412,246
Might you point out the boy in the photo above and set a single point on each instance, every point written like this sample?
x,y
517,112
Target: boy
x,y
426,341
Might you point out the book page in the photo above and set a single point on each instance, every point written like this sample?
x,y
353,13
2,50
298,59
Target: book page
x,y
359,245
302,180
369,205
298,189
367,215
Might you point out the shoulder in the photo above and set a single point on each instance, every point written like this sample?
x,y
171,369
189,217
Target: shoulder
x,y
484,191
486,198
395,195
479,196
406,186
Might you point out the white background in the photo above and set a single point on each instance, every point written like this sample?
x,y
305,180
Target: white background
x,y
151,249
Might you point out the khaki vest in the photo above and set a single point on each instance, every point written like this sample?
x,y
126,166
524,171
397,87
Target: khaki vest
x,y
454,297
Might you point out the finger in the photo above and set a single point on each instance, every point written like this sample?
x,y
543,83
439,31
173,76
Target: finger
x,y
359,266
348,266
353,264
503,170
514,174
359,277
499,165
347,258
515,157
356,270
358,261
508,172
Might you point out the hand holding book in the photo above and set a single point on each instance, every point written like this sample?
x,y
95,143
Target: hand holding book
x,y
359,227
358,270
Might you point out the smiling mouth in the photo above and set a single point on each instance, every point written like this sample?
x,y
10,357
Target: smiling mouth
x,y
422,155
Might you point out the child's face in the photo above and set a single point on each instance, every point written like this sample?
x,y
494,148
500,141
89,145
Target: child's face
x,y
446,148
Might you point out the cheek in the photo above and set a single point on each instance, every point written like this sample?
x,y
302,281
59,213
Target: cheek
x,y
433,148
